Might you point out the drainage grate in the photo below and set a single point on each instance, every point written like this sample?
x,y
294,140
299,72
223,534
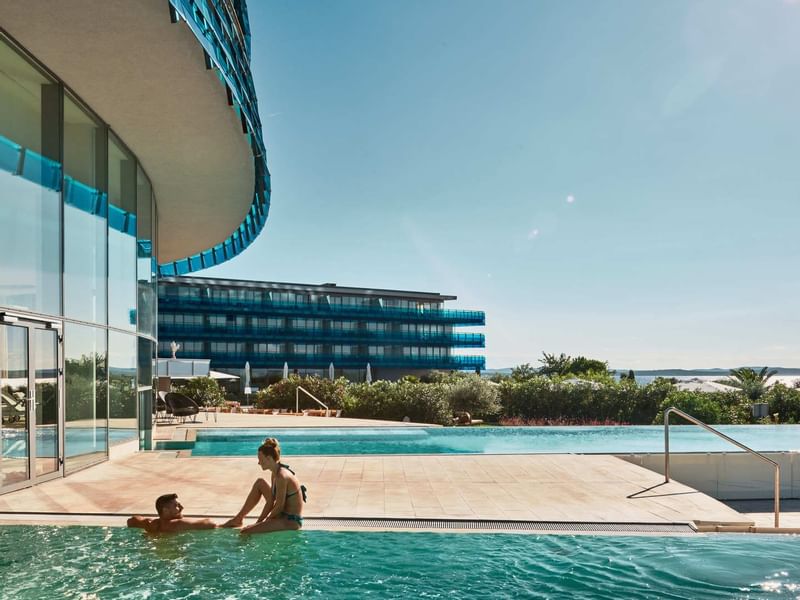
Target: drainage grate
x,y
499,525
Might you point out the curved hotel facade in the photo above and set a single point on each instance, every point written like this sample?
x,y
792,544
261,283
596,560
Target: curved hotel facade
x,y
130,144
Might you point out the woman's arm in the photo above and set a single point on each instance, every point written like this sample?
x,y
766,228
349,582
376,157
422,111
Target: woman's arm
x,y
269,501
280,484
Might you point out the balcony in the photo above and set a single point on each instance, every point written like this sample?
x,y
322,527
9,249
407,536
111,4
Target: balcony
x,y
310,336
169,303
226,360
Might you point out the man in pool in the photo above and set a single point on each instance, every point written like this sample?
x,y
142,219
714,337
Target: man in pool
x,y
170,518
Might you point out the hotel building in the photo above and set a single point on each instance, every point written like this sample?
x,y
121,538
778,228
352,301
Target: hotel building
x,y
130,143
308,328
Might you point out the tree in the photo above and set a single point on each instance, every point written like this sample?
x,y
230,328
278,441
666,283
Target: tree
x,y
566,365
523,372
752,383
555,365
205,391
580,365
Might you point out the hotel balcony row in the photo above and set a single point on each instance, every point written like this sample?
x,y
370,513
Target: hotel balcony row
x,y
228,360
358,336
321,309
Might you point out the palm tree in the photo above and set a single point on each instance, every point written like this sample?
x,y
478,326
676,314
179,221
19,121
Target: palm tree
x,y
751,383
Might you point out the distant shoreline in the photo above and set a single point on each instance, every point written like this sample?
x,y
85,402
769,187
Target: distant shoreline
x,y
678,373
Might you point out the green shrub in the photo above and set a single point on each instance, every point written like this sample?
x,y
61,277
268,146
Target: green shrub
x,y
601,399
204,391
723,408
473,395
282,394
785,402
420,402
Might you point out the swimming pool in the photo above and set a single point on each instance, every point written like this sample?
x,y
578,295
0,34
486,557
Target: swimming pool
x,y
492,440
95,562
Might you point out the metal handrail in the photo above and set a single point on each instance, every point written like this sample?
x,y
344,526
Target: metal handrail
x,y
690,418
318,401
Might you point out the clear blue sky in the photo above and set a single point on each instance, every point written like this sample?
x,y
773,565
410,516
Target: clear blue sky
x,y
619,179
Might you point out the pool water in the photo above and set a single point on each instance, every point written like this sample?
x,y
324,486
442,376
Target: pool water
x,y
95,562
494,440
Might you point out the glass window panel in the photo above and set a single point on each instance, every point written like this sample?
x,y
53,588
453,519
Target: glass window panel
x,y
86,396
144,255
14,392
85,214
30,176
122,359
121,237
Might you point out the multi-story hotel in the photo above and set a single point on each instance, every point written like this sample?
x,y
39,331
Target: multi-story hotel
x,y
130,141
308,328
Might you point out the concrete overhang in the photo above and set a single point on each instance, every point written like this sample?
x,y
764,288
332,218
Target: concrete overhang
x,y
146,77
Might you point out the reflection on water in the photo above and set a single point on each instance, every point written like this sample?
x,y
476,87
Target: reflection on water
x,y
115,562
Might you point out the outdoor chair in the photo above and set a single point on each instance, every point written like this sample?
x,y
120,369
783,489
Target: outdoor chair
x,y
181,406
13,406
160,409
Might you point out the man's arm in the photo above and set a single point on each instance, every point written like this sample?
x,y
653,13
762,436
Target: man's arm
x,y
150,525
192,524
137,521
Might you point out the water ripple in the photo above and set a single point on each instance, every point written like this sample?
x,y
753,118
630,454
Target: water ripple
x,y
86,563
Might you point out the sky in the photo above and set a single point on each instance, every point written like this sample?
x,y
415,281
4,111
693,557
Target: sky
x,y
615,179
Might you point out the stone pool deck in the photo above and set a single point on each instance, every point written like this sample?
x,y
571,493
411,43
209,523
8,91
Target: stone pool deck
x,y
164,431
554,487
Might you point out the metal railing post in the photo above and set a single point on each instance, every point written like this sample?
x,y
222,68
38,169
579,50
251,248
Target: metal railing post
x,y
691,419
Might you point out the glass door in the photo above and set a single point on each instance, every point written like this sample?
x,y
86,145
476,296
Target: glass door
x,y
30,406
15,398
46,395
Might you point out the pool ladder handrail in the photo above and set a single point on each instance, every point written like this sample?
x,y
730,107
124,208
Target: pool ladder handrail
x,y
690,418
312,396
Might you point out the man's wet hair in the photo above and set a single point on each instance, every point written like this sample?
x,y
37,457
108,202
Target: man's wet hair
x,y
162,501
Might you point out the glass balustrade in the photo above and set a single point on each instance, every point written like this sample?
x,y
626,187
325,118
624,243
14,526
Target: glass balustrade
x,y
233,333
231,360
301,309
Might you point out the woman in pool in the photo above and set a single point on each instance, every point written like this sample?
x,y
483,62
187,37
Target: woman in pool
x,y
284,496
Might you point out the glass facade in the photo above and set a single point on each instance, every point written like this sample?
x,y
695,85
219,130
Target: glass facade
x,y
232,322
122,387
86,396
30,180
70,195
122,230
85,216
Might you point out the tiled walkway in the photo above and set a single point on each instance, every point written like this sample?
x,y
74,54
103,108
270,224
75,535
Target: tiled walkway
x,y
527,487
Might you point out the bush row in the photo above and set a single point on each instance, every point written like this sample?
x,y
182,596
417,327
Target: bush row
x,y
535,399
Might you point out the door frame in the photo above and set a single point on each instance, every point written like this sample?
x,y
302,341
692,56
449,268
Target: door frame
x,y
32,324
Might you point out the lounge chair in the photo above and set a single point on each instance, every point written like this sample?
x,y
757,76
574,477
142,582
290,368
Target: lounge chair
x,y
13,406
181,406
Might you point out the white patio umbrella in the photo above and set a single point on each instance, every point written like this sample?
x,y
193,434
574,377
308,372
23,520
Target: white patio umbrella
x,y
286,370
247,380
331,373
369,374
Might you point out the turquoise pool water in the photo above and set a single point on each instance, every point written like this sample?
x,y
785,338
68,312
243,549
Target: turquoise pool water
x,y
93,562
493,440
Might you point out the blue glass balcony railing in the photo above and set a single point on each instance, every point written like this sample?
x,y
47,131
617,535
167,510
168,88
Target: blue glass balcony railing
x,y
223,31
225,360
308,309
310,336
